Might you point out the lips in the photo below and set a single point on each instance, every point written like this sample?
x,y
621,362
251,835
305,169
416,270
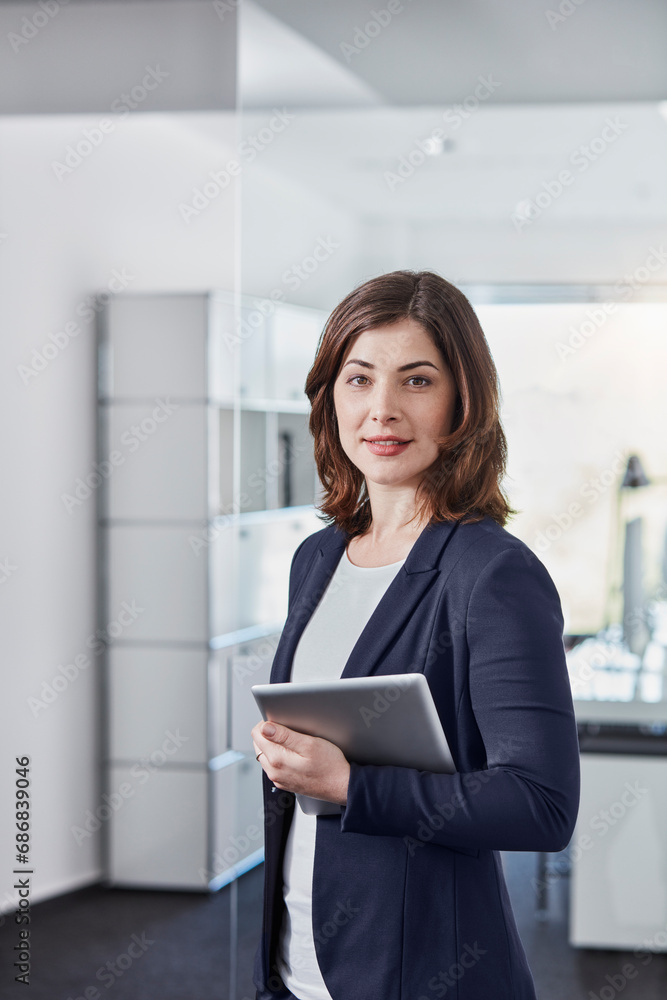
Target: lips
x,y
386,446
387,440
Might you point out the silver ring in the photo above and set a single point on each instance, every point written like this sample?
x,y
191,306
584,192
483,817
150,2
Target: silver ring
x,y
259,755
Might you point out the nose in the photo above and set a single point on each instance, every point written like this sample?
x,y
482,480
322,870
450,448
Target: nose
x,y
384,403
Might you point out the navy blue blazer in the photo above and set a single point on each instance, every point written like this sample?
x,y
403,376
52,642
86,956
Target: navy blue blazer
x,y
409,899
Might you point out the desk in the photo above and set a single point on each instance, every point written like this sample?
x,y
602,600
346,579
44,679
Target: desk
x,y
618,892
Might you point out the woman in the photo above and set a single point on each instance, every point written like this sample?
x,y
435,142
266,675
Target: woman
x,y
398,892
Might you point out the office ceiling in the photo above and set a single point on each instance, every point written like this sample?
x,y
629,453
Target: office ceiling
x,y
554,89
433,51
82,57
369,162
360,111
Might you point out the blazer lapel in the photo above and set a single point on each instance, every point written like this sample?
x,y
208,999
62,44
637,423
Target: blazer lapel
x,y
389,617
400,600
315,580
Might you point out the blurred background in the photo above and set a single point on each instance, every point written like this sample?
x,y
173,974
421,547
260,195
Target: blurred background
x,y
187,188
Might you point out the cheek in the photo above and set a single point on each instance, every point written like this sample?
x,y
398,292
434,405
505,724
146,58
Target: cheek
x,y
434,413
447,405
345,421
435,421
347,411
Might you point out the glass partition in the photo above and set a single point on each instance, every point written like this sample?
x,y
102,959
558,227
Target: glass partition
x,y
582,392
343,181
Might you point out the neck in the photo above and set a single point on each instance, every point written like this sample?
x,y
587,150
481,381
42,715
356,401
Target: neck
x,y
392,514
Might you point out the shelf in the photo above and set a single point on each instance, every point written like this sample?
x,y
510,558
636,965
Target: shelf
x,y
198,519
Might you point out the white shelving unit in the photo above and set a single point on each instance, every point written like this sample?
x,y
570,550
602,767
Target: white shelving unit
x,y
208,486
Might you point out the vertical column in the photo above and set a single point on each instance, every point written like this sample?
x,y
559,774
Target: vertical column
x,y
154,430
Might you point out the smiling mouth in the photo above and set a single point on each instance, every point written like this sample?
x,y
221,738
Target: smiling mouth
x,y
387,440
386,447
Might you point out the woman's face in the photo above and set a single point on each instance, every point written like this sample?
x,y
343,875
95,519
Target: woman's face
x,y
394,384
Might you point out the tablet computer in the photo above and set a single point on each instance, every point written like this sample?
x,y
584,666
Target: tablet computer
x,y
381,719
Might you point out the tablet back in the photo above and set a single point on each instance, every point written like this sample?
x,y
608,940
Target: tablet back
x,y
381,719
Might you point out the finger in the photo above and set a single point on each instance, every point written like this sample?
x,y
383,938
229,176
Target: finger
x,y
272,754
260,754
259,742
263,745
275,734
256,731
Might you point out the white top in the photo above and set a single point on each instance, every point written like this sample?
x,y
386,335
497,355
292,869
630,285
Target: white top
x,y
323,649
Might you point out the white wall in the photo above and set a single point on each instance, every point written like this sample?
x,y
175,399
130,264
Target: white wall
x,y
286,229
65,239
476,252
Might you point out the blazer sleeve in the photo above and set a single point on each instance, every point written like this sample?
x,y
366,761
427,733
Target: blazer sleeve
x,y
527,796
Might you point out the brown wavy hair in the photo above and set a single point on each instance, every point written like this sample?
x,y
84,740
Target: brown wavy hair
x,y
463,483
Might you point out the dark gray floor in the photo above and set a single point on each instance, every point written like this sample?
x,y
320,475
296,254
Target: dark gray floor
x,y
562,972
181,946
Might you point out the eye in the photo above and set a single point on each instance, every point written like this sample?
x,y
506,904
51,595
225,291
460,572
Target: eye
x,y
423,380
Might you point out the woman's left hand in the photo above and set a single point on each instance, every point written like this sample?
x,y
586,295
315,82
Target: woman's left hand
x,y
306,765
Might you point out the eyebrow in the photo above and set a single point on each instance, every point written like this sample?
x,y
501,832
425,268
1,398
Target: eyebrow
x,y
403,368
